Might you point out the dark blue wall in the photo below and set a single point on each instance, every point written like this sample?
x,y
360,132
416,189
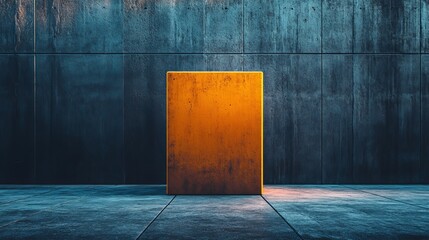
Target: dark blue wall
x,y
82,85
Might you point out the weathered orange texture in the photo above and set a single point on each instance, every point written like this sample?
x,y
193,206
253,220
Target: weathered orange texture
x,y
214,132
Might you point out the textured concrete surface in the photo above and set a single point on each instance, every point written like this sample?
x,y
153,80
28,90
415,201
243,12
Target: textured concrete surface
x,y
183,27
282,26
223,26
164,26
416,195
283,212
292,111
386,119
17,116
353,212
337,119
79,121
337,35
219,217
424,167
79,26
12,193
425,26
378,22
71,212
17,26
310,122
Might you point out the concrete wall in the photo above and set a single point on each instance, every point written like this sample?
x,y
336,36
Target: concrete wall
x,y
82,85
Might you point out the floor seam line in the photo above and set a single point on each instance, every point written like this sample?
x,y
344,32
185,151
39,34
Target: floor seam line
x,y
43,210
284,219
35,213
395,200
39,194
156,217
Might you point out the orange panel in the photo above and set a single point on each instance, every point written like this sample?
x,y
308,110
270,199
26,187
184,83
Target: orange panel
x,y
214,132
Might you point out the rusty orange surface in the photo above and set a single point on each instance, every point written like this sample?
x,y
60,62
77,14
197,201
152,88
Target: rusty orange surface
x,y
214,132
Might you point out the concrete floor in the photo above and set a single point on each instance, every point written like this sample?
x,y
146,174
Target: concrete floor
x,y
283,212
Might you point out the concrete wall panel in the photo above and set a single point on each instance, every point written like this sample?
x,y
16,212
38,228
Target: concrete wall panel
x,y
16,28
16,121
386,119
337,19
79,121
292,116
282,26
223,26
386,26
70,26
165,26
337,119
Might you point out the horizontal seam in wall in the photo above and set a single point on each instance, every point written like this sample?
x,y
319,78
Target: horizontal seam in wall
x,y
198,53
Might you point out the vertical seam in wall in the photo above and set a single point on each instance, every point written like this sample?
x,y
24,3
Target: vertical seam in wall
x,y
353,119
421,98
124,161
34,90
353,93
204,35
353,26
242,35
34,26
421,135
321,91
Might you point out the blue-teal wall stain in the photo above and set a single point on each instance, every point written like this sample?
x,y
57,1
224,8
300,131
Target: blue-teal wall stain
x,y
82,85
